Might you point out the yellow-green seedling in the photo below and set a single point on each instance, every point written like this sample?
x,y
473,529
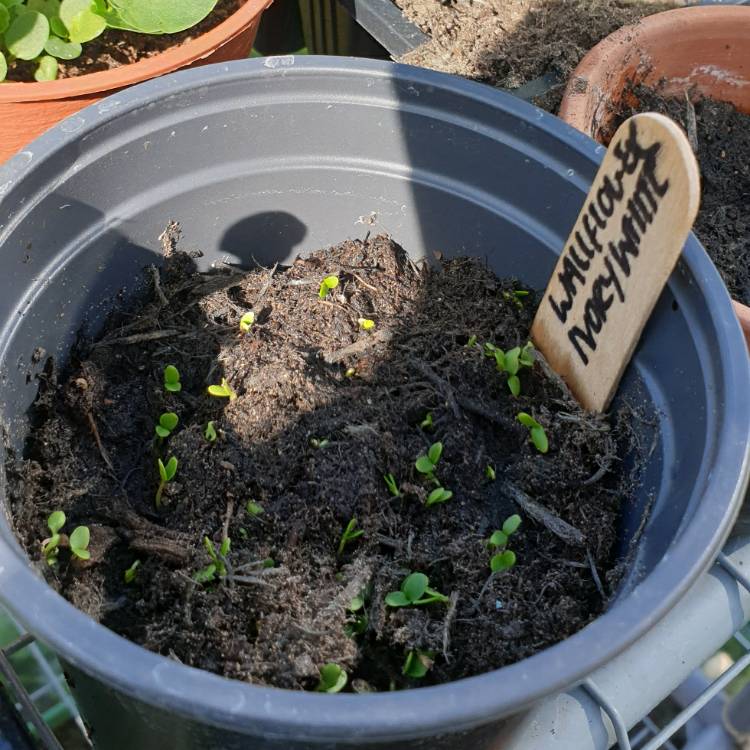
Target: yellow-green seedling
x,y
217,568
490,473
51,545
351,532
210,432
503,559
172,379
79,542
472,342
319,442
254,509
517,297
358,624
166,475
392,484
438,495
537,434
415,591
418,663
223,390
167,422
350,372
333,679
329,283
426,464
130,573
247,321
426,423
366,324
510,362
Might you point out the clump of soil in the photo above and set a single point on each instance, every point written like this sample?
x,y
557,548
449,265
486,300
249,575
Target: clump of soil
x,y
115,48
323,409
507,43
721,140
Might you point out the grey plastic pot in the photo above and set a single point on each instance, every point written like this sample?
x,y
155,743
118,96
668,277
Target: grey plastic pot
x,y
264,159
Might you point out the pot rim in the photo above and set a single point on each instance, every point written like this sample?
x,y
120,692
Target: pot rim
x,y
423,712
126,75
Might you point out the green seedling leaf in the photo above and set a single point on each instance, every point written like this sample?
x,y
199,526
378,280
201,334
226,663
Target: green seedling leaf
x,y
511,524
205,575
79,542
57,27
349,535
472,342
414,591
130,573
511,360
56,521
246,321
503,561
47,69
11,3
527,355
27,35
172,379
167,422
356,604
210,432
226,543
366,324
254,509
424,465
426,423
61,49
414,586
498,539
539,438
439,495
499,360
333,679
82,23
49,8
527,420
514,385
3,67
392,485
167,472
4,19
418,664
436,450
397,599
156,16
222,391
490,473
489,349
328,283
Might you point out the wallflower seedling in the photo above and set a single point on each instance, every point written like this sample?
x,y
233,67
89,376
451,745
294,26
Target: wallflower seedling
x,y
130,573
79,542
333,679
426,464
537,434
504,559
210,432
426,423
166,474
50,546
472,342
490,473
329,283
167,422
358,624
418,664
510,362
246,321
172,379
415,591
439,495
224,390
366,324
217,567
392,485
254,509
349,535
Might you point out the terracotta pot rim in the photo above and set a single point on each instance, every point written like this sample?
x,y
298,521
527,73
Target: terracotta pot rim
x,y
127,75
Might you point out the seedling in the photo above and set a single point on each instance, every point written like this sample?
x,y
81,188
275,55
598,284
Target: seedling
x,y
50,546
130,573
439,495
392,485
172,379
472,342
426,423
415,591
224,390
537,434
349,535
328,283
350,372
510,362
246,321
210,432
418,664
254,509
166,475
426,464
366,324
79,542
167,422
517,297
217,568
319,442
358,625
333,679
490,473
504,559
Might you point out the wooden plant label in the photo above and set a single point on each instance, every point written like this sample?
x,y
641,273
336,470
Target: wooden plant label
x,y
618,257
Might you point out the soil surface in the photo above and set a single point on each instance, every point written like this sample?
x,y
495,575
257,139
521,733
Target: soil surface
x,y
115,48
323,410
507,43
721,141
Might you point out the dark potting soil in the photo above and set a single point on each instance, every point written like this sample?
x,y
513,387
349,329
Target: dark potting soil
x,y
323,410
115,48
507,43
721,140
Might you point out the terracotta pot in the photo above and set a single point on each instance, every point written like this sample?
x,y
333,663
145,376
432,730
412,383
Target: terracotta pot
x,y
707,48
29,109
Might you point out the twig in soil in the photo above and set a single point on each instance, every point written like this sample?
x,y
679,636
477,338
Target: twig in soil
x,y
266,286
97,438
449,617
363,282
389,542
379,337
553,523
157,285
443,385
227,518
692,125
595,574
137,338
163,548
